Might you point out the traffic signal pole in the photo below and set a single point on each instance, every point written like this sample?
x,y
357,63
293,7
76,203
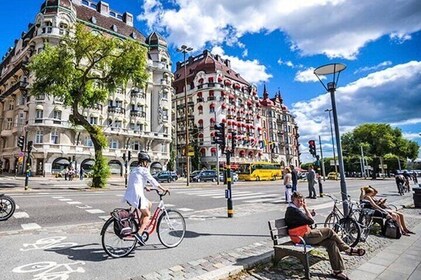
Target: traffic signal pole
x,y
28,164
228,193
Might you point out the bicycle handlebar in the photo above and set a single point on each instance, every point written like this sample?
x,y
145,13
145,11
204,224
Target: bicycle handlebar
x,y
161,194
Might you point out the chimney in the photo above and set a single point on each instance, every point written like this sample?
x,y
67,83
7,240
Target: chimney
x,y
128,19
227,63
103,8
77,2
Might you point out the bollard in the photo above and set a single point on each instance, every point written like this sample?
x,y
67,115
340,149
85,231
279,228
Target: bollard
x,y
417,197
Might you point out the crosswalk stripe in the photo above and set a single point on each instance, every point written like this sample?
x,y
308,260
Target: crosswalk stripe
x,y
30,226
238,195
185,209
20,215
260,200
271,196
94,211
74,202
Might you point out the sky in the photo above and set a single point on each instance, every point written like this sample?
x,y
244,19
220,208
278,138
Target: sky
x,y
279,43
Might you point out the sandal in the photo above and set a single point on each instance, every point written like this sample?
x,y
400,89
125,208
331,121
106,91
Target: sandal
x,y
339,275
356,252
411,232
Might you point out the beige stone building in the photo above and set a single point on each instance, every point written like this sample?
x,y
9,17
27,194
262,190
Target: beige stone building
x,y
133,119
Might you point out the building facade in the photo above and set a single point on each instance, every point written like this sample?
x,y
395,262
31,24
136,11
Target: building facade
x,y
133,119
263,129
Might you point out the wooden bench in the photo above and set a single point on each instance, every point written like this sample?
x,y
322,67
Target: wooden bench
x,y
284,247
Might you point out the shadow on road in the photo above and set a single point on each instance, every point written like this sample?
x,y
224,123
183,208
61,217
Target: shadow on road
x,y
87,252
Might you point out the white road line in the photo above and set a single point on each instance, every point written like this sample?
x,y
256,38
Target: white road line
x,y
260,200
65,199
168,205
58,197
185,209
74,202
30,226
236,194
95,211
20,215
272,196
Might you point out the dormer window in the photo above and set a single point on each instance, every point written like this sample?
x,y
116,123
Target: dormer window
x,y
93,20
114,28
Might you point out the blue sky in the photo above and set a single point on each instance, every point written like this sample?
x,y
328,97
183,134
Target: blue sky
x,y
280,42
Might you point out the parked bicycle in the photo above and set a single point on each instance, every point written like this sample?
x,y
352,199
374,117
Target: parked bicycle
x,y
346,227
7,207
120,232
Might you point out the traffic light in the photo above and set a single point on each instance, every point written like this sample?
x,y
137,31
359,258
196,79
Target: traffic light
x,y
312,147
220,135
29,146
21,142
233,141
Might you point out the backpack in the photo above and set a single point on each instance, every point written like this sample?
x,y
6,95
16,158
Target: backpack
x,y
391,229
124,223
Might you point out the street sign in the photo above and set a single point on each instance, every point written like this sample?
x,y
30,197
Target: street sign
x,y
191,154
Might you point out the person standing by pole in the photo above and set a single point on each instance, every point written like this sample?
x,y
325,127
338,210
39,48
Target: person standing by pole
x,y
288,184
311,180
294,175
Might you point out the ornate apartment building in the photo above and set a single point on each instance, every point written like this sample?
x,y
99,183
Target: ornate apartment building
x,y
133,119
264,129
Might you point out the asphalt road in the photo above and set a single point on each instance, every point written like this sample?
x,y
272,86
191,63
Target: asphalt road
x,y
55,232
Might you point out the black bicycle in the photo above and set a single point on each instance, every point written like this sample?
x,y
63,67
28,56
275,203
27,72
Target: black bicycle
x,y
7,207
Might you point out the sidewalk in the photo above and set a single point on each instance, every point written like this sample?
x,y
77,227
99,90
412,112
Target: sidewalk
x,y
385,259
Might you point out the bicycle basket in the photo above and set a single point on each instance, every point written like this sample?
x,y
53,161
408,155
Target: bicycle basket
x,y
124,223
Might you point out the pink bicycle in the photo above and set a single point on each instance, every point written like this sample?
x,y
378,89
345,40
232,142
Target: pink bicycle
x,y
120,232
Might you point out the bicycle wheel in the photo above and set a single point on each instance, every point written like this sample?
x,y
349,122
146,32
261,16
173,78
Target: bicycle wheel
x,y
171,228
349,231
332,220
7,207
365,221
114,245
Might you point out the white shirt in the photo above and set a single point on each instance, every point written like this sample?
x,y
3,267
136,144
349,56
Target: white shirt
x,y
138,178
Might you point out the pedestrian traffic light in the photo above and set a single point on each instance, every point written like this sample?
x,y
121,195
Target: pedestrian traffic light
x,y
29,146
220,135
233,141
312,147
21,142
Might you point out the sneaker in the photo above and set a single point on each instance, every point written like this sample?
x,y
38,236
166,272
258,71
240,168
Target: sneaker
x,y
140,240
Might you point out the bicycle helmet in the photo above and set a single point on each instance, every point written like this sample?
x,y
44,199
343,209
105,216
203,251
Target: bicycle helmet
x,y
143,156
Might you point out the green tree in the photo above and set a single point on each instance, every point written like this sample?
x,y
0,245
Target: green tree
x,y
379,140
81,70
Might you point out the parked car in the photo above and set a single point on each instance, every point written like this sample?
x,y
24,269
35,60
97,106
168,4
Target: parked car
x,y
234,176
194,174
205,175
165,176
333,176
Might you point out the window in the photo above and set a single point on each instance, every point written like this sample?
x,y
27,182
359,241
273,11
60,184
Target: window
x,y
119,103
39,137
165,94
48,27
54,137
63,28
118,124
21,119
135,145
88,142
39,115
165,114
114,144
165,130
93,120
57,115
11,105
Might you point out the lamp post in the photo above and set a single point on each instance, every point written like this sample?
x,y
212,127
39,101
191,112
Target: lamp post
x,y
184,49
335,69
333,142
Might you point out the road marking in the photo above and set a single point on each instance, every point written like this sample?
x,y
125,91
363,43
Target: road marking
x,y
74,202
94,211
30,226
65,199
185,209
238,195
58,197
271,196
104,217
20,215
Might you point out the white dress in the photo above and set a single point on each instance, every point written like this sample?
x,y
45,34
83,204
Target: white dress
x,y
135,195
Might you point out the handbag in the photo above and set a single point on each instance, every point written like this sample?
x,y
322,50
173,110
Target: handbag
x,y
391,229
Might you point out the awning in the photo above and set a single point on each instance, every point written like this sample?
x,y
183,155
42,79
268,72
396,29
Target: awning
x,y
57,108
88,162
39,107
212,119
213,150
199,94
62,161
200,121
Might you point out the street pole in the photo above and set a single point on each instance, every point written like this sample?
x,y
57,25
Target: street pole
x,y
184,49
28,164
228,193
323,162
217,158
363,163
333,143
334,69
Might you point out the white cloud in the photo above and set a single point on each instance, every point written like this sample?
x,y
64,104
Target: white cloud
x,y
307,75
371,68
251,70
387,96
336,28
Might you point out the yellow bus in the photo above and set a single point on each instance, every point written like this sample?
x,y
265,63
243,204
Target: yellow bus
x,y
259,171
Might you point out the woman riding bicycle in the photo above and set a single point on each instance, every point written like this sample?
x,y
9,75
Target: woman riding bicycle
x,y
135,195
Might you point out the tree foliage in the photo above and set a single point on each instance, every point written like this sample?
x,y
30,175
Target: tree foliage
x,y
82,70
379,141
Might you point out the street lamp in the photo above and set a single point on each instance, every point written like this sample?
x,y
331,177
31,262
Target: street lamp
x,y
333,142
335,69
184,49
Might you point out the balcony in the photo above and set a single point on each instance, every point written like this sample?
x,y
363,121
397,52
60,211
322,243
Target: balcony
x,y
21,85
211,98
136,113
199,99
117,110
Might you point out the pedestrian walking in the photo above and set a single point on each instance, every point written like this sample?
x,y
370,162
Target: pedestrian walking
x,y
288,184
311,180
81,171
294,176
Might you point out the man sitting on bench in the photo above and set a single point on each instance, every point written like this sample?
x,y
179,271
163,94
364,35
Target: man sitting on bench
x,y
298,225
